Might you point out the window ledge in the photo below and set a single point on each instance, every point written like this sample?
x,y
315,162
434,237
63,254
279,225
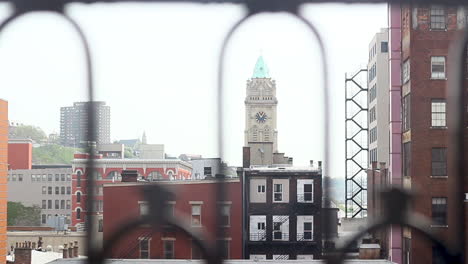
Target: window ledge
x,y
438,127
438,79
439,177
438,29
440,226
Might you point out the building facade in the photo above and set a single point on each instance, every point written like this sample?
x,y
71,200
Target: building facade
x,y
3,178
193,202
260,132
109,171
20,154
74,123
282,211
378,100
49,189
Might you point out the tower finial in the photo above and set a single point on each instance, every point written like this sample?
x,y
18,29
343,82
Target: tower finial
x,y
261,69
143,138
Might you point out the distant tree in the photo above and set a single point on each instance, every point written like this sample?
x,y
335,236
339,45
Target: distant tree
x,y
128,153
25,131
20,215
53,154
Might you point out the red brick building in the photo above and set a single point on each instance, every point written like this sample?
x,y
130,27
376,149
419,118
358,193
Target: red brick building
x,y
109,170
193,201
427,33
19,154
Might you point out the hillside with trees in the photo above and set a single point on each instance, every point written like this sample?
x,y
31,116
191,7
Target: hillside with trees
x,y
20,215
53,154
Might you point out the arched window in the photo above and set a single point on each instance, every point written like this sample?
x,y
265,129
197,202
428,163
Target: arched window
x,y
78,197
155,176
254,134
78,179
266,134
78,213
171,175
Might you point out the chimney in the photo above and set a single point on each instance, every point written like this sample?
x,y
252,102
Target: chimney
x,y
75,250
129,176
311,163
382,166
70,250
23,253
65,251
246,157
320,165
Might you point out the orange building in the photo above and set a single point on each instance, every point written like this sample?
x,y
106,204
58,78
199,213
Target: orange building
x,y
3,177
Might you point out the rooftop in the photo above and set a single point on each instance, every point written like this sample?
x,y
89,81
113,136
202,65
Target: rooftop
x,y
231,261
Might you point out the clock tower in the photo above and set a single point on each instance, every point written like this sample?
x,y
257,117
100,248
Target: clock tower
x,y
260,115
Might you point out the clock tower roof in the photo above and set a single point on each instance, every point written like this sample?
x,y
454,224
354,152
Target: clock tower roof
x,y
261,69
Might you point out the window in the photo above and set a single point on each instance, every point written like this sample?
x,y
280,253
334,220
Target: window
x,y
224,248
196,215
68,204
406,71
261,188
196,253
62,204
20,177
372,72
78,213
44,204
68,190
57,204
49,204
372,115
406,113
78,179
168,249
225,214
62,177
261,226
44,190
407,159
439,211
438,110
277,192
57,190
144,248
68,177
144,208
49,190
439,161
78,197
277,234
438,19
308,192
307,235
33,177
373,93
13,177
437,67
49,177
437,256
384,46
57,177
373,135
207,171
62,190
43,218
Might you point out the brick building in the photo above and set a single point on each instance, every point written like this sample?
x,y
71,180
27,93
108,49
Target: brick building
x,y
20,154
282,212
193,201
3,178
109,171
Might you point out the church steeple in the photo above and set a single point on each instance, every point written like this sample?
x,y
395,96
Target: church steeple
x,y
261,69
143,138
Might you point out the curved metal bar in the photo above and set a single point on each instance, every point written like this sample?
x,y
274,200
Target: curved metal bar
x,y
456,98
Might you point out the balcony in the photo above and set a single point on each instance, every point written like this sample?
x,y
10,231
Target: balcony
x,y
305,236
258,236
305,198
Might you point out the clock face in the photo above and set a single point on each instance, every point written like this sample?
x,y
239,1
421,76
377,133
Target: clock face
x,y
261,117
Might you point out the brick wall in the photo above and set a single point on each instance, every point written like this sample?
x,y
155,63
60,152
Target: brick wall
x,y
3,177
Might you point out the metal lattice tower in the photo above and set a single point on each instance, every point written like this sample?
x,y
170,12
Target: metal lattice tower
x,y
356,144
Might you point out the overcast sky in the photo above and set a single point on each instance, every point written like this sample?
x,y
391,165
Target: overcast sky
x,y
156,66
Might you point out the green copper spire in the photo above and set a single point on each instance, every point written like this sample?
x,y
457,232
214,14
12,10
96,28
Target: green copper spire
x,y
261,69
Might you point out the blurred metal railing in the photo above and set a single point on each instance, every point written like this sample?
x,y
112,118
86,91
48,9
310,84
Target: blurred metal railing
x,y
396,201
